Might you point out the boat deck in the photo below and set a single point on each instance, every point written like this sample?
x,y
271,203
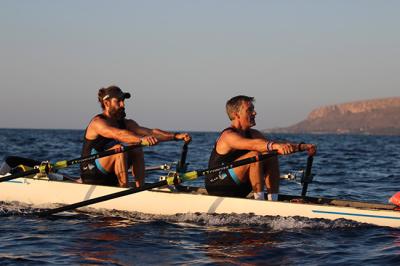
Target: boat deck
x,y
304,200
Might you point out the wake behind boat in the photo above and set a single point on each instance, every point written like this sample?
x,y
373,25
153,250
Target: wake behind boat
x,y
42,193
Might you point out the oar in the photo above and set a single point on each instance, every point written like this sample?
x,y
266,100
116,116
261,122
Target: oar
x,y
307,178
181,167
188,176
103,198
46,167
169,180
164,167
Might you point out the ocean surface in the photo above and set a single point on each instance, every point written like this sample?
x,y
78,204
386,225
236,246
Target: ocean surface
x,y
347,167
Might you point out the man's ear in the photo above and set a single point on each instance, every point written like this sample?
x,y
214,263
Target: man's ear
x,y
106,103
236,115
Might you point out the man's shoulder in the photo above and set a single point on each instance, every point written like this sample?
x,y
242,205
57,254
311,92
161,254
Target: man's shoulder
x,y
226,133
230,131
98,118
256,131
131,122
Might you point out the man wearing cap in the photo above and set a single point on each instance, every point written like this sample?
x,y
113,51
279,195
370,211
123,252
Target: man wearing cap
x,y
109,130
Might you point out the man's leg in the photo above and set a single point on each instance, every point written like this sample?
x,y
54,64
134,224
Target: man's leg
x,y
251,172
272,177
271,170
136,160
117,164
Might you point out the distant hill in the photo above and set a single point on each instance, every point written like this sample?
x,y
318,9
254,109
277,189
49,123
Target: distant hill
x,y
375,117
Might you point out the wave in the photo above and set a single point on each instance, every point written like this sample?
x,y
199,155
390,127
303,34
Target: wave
x,y
274,223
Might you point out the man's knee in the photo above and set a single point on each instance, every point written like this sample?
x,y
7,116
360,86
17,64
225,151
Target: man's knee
x,y
271,166
253,154
137,151
135,154
121,156
272,161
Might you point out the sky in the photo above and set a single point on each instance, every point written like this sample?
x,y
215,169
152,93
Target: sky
x,y
182,60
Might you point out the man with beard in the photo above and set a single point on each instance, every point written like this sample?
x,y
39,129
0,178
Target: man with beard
x,y
240,141
109,130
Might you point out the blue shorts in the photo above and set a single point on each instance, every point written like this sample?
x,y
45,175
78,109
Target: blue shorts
x,y
96,177
227,183
96,174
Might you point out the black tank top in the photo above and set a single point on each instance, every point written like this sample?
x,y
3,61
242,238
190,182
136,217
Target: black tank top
x,y
217,159
98,144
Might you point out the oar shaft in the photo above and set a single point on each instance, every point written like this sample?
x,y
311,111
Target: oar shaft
x,y
195,174
103,198
17,175
46,167
307,176
238,163
158,167
93,157
182,162
310,160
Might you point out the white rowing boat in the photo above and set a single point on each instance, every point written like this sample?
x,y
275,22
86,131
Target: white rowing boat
x,y
42,192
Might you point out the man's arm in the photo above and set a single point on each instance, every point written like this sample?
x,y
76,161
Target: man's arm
x,y
166,136
296,147
232,140
101,127
159,134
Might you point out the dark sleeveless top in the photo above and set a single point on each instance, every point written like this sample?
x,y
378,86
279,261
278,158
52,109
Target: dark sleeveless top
x,y
217,159
98,144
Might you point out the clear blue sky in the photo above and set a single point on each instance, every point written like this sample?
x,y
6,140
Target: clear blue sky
x,y
182,60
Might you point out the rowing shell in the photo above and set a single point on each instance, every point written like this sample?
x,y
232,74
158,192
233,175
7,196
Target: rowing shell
x,y
41,193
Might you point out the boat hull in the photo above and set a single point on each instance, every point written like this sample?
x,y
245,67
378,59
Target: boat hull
x,y
41,193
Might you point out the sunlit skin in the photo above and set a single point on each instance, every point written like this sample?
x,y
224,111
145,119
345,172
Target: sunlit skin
x,y
246,117
114,110
259,173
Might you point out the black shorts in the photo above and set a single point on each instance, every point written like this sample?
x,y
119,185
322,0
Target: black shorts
x,y
96,177
223,184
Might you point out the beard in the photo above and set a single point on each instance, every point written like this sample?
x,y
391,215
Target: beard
x,y
118,113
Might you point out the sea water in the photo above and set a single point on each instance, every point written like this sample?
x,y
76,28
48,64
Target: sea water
x,y
354,167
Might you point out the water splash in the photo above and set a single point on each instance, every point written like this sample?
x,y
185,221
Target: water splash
x,y
276,223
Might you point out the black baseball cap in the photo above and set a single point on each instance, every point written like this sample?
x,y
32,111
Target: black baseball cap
x,y
115,92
